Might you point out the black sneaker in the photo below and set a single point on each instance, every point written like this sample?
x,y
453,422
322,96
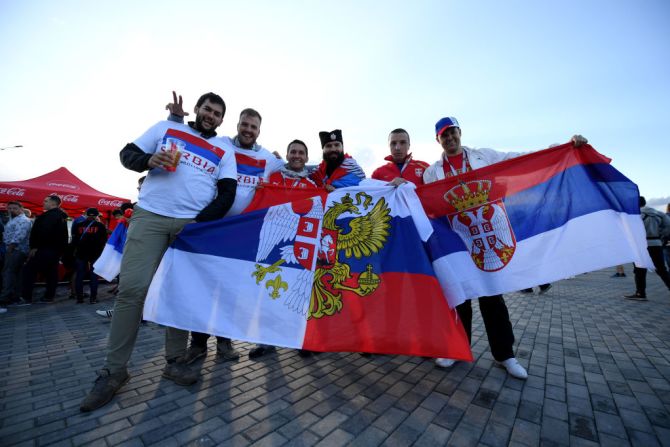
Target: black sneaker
x,y
106,385
526,290
226,352
20,303
93,300
80,299
179,372
46,301
260,350
193,353
545,289
636,297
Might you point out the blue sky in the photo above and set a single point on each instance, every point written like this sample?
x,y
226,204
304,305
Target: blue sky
x,y
80,79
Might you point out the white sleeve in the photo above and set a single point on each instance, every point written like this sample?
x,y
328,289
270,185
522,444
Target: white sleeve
x,y
228,165
274,164
149,140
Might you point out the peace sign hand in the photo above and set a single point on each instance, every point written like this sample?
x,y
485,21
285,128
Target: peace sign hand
x,y
176,106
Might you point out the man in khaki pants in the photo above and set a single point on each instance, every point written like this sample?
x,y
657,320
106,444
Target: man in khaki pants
x,y
192,178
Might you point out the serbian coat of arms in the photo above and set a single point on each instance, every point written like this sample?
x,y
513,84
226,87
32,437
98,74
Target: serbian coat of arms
x,y
483,225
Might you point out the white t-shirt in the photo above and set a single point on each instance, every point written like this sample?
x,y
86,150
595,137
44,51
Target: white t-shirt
x,y
192,186
253,165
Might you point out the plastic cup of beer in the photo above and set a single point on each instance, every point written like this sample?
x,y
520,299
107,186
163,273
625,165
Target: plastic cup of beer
x,y
175,148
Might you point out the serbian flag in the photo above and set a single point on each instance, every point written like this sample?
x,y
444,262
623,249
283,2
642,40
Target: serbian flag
x,y
352,277
532,220
108,265
268,195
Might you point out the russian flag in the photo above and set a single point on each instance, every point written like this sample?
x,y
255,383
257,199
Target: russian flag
x,y
352,277
108,265
532,220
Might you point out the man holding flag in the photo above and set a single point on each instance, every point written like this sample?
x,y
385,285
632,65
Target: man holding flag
x,y
401,167
337,170
457,159
254,165
191,178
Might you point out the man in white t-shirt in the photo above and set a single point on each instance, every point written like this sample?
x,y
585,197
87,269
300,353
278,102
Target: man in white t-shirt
x,y
195,186
255,164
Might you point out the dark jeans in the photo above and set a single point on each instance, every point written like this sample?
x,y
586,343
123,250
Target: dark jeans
x,y
84,267
11,276
656,255
200,339
496,320
45,261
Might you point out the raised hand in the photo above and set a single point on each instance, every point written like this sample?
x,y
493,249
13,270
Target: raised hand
x,y
578,140
176,106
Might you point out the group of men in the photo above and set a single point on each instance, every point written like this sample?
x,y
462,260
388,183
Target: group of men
x,y
215,177
37,247
32,248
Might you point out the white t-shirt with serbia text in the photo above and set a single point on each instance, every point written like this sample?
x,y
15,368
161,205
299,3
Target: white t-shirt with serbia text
x,y
253,166
192,186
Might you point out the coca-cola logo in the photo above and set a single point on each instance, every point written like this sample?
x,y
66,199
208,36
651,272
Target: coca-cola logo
x,y
70,198
19,192
62,185
107,202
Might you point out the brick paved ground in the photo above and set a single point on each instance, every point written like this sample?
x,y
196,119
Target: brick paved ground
x,y
599,370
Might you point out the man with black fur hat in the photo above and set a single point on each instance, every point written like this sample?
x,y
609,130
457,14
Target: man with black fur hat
x,y
88,240
337,169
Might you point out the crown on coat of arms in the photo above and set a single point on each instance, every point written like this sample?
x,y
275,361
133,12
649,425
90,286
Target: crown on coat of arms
x,y
347,199
468,195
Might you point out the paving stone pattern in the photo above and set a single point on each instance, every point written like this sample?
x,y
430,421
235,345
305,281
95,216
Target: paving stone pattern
x,y
599,374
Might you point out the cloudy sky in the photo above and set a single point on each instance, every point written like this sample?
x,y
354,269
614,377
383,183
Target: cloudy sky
x,y
80,79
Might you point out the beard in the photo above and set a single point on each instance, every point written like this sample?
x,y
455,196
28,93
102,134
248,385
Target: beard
x,y
199,125
332,162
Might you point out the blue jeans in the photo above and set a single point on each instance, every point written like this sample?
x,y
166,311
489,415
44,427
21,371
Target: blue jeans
x,y
82,267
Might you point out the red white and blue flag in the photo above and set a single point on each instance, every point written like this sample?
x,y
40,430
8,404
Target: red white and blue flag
x,y
352,276
531,220
108,265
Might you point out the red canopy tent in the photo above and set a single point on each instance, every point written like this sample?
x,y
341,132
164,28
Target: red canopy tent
x,y
76,195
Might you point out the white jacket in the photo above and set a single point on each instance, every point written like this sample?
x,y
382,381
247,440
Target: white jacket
x,y
478,158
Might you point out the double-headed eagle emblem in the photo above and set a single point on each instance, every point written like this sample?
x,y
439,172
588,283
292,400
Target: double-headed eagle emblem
x,y
316,240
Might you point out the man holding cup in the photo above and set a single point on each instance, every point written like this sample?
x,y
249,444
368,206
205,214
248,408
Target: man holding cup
x,y
192,178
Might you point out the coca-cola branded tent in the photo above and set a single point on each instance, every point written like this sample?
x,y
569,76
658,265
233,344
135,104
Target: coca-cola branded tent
x,y
76,195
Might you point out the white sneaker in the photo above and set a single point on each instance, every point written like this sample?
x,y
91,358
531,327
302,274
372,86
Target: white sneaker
x,y
105,313
514,368
445,363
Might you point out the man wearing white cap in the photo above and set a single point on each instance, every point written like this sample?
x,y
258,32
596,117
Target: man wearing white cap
x,y
455,160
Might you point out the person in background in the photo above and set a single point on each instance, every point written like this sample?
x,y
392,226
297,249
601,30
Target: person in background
x,y
657,226
16,243
620,273
88,240
48,241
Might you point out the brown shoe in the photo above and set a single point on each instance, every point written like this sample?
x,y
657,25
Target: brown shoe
x,y
226,352
193,353
104,389
180,373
